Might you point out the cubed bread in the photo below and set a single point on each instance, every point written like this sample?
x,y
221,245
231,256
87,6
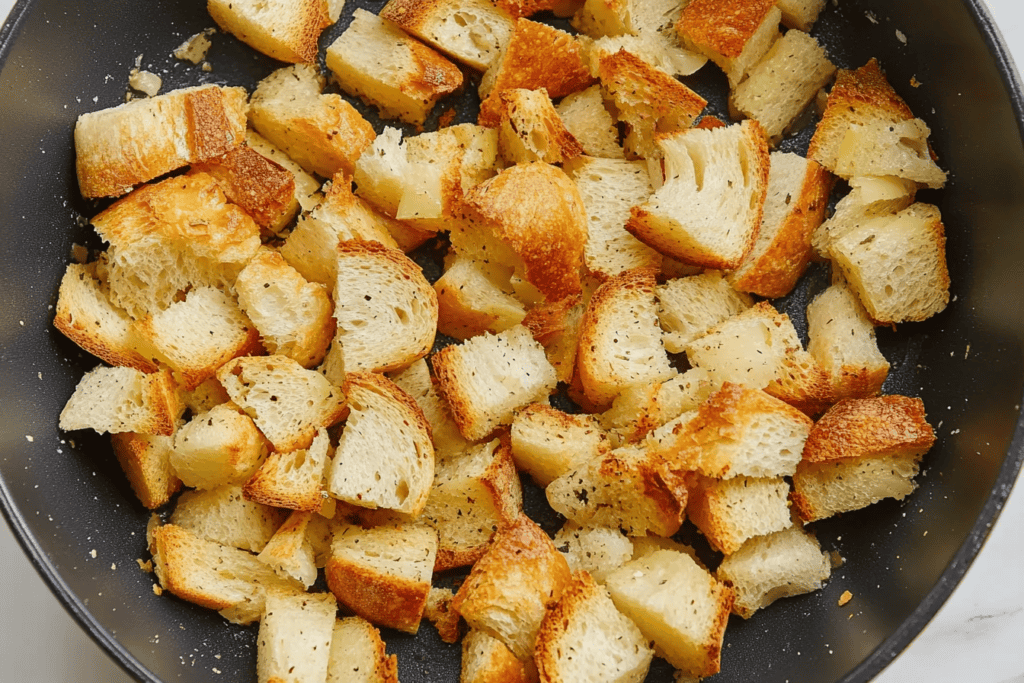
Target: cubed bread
x,y
167,132
585,116
531,130
557,327
283,29
868,198
145,459
842,341
307,188
688,307
734,34
294,641
688,633
471,300
779,565
223,514
322,133
798,191
609,188
469,31
416,381
287,402
382,171
707,219
643,408
800,14
358,654
510,588
385,458
485,659
292,479
376,60
883,148
383,574
474,495
897,264
783,83
122,399
221,446
488,377
730,511
289,551
385,308
629,489
620,340
596,550
547,443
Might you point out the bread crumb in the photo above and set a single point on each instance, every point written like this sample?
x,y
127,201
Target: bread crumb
x,y
914,83
195,48
901,36
845,598
29,438
145,565
835,559
113,566
92,553
145,82
157,590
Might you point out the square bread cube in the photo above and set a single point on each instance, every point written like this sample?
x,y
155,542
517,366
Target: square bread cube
x,y
292,480
224,515
597,550
730,511
294,641
120,400
283,29
546,442
469,31
220,446
734,34
145,459
358,654
688,307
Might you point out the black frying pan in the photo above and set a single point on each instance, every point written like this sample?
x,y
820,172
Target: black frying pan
x,y
65,496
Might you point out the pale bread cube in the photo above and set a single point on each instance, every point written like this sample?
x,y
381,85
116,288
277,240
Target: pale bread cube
x,y
120,400
382,170
471,301
221,446
224,515
734,35
469,31
585,116
730,511
596,550
688,307
547,443
146,461
416,381
884,148
868,198
292,479
639,410
294,641
286,30
557,327
290,552
531,130
800,14
358,654
207,395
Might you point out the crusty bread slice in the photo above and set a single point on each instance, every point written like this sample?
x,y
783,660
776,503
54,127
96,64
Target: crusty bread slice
x,y
475,494
547,443
557,327
358,654
734,34
221,446
690,635
292,479
290,552
868,198
287,402
643,408
897,264
212,575
293,316
385,308
199,334
120,400
385,457
307,188
608,188
469,31
800,14
376,60
87,317
294,641
416,381
224,515
783,83
531,130
485,659
283,29
166,132
471,300
322,133
794,207
779,565
620,340
629,488
688,307
730,511
145,459
587,119
842,341
709,219
597,550
510,588
488,377
383,573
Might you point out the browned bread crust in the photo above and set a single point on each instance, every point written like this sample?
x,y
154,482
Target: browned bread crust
x,y
263,188
723,25
144,459
870,427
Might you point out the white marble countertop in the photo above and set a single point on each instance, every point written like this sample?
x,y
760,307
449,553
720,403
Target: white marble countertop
x,y
977,636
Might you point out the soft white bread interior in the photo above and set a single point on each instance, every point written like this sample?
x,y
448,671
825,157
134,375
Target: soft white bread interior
x,y
688,307
292,479
596,550
122,399
416,381
546,443
730,511
290,552
294,641
220,446
224,515
283,29
358,654
586,117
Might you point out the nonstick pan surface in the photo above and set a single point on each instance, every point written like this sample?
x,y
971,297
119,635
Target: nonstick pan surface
x,y
74,513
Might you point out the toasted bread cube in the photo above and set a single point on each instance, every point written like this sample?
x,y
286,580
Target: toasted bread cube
x,y
781,86
531,130
486,659
868,198
322,133
282,29
221,446
382,172
469,31
627,489
596,550
376,60
383,574
471,301
475,494
800,14
385,458
640,409
688,307
650,101
212,575
794,207
648,545
416,381
536,56
294,642
224,515
383,286
730,511
290,551
488,377
145,459
287,402
708,219
688,633
292,315
168,132
509,589
557,327
779,565
587,119
120,400
609,188
358,654
620,341
734,34
897,265
207,395
828,488
585,638
842,341
87,317
307,188
884,148
292,479
547,443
